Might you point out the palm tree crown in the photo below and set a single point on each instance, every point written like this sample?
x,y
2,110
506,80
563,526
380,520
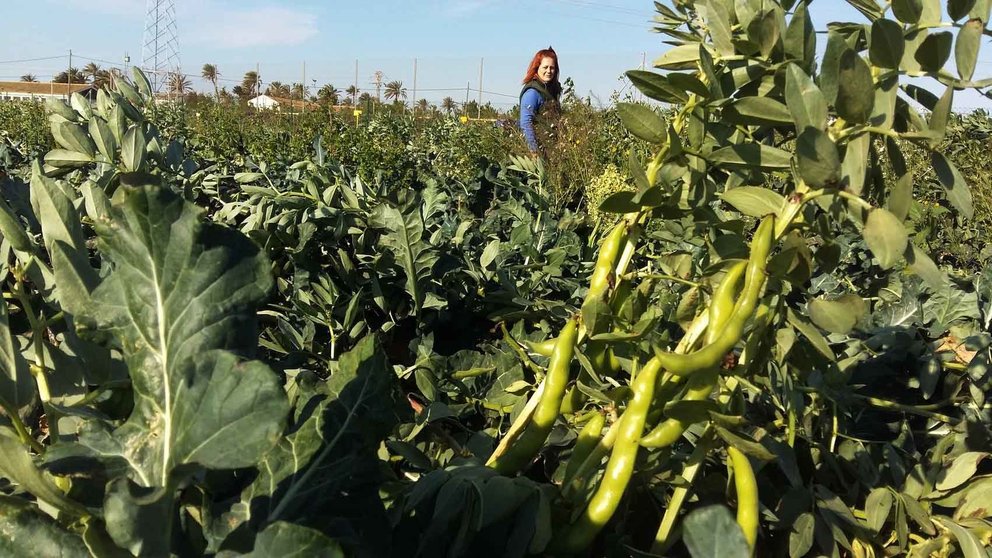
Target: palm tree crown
x,y
395,91
29,78
210,73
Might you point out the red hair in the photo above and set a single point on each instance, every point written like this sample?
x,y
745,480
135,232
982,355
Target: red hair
x,y
554,87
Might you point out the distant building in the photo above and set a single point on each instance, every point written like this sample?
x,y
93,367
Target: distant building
x,y
12,90
266,102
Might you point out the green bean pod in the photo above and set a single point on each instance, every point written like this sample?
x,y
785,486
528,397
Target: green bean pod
x,y
543,348
723,301
588,438
671,429
747,496
524,449
712,354
620,467
606,261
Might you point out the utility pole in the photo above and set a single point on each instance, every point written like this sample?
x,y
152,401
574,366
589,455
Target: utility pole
x,y
413,103
354,99
479,112
258,81
68,75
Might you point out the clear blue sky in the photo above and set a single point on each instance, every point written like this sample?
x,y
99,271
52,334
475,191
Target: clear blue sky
x,y
596,40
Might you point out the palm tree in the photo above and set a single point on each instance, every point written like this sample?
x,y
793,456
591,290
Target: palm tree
x,y
395,91
91,70
449,105
352,92
240,92
72,75
277,89
103,78
364,99
422,105
178,83
250,83
296,91
328,95
210,73
29,78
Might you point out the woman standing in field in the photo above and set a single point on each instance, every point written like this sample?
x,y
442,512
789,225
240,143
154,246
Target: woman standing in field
x,y
539,96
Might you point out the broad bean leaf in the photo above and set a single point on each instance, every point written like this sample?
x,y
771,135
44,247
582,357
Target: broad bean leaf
x,y
887,43
16,384
943,307
955,187
178,297
325,470
17,465
405,240
29,532
886,237
754,201
289,540
712,532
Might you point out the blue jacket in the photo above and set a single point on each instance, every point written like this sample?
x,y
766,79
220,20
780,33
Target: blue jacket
x,y
531,102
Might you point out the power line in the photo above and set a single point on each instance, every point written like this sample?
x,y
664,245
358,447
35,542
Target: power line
x,y
33,59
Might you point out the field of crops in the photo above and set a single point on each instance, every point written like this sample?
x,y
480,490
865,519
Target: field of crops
x,y
752,323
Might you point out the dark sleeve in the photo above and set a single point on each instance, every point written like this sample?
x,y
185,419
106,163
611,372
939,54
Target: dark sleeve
x,y
530,103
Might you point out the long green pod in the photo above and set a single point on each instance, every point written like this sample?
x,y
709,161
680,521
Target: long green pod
x,y
620,467
712,354
606,261
671,429
544,348
585,444
524,449
723,301
746,485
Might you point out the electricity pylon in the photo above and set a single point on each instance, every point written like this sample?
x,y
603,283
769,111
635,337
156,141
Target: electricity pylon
x,y
160,44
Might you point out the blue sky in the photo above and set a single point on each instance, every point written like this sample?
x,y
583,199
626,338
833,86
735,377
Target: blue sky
x,y
596,41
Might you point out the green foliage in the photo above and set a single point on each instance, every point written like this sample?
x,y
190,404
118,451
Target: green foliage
x,y
219,338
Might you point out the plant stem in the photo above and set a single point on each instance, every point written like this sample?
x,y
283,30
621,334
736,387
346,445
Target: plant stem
x,y
663,540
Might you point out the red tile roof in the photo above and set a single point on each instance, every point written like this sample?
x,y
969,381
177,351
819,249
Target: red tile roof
x,y
43,88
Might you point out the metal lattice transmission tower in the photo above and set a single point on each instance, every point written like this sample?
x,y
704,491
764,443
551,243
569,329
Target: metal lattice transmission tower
x,y
160,44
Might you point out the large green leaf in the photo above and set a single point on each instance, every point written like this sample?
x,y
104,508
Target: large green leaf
x,y
804,99
712,532
73,137
754,201
325,470
839,315
934,51
291,541
817,158
887,43
800,37
966,47
643,122
757,111
955,187
908,11
177,295
16,383
948,305
679,57
17,465
855,88
748,155
25,531
406,241
886,236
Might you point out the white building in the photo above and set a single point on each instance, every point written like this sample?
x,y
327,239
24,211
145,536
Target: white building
x,y
11,90
267,102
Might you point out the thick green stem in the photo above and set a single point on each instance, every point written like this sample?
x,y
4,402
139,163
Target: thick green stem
x,y
663,539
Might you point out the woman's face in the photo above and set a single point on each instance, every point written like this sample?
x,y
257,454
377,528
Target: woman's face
x,y
546,71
